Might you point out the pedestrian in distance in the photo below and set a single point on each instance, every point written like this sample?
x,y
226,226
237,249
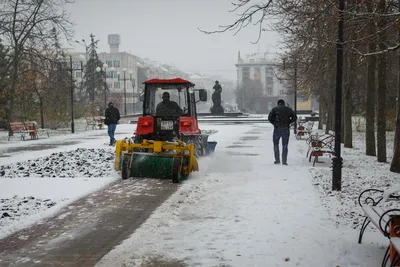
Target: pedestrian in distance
x,y
281,117
112,117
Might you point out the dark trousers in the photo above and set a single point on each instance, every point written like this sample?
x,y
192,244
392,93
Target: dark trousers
x,y
111,132
279,133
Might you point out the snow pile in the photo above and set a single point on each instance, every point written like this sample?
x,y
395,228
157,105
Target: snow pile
x,y
360,172
81,162
13,209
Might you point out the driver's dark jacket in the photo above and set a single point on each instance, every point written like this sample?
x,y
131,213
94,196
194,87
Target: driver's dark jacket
x,y
168,108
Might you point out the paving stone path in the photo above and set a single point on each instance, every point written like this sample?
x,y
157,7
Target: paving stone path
x,y
83,232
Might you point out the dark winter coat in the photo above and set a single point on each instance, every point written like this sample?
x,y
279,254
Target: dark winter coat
x,y
282,116
112,116
168,108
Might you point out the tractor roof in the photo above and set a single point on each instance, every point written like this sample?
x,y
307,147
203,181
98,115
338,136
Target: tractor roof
x,y
175,81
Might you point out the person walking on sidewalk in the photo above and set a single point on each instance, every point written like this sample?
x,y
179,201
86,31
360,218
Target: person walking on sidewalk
x,y
281,117
111,120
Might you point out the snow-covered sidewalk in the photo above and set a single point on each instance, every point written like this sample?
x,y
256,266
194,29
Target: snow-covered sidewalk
x,y
242,210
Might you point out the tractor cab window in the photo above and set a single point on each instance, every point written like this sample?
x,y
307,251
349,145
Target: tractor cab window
x,y
167,102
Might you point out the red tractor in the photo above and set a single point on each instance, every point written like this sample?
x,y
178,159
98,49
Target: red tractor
x,y
167,139
171,127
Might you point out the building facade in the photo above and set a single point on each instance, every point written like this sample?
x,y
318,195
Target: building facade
x,y
265,71
121,73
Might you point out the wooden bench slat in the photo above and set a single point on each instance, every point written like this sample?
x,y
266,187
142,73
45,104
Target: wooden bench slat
x,y
395,242
375,213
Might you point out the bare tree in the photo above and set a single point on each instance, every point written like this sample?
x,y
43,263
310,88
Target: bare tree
x,y
24,21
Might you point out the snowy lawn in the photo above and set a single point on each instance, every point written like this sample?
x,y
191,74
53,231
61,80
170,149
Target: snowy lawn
x,y
242,210
360,172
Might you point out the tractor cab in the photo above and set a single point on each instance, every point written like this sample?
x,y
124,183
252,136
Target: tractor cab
x,y
167,139
169,110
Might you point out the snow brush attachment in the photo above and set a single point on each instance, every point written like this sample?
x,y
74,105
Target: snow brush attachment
x,y
155,159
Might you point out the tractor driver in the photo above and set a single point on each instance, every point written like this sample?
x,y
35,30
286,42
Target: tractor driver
x,y
167,107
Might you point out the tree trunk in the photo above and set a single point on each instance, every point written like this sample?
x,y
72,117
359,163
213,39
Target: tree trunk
x,y
321,118
10,113
329,118
381,95
41,112
395,164
370,149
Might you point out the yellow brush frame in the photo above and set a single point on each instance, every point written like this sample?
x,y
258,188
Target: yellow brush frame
x,y
159,148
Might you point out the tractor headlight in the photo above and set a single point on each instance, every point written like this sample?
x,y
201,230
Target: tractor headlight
x,y
191,90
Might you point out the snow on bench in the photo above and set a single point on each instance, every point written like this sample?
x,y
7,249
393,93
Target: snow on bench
x,y
386,220
318,145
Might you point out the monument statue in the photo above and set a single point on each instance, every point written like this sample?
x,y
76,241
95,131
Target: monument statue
x,y
217,108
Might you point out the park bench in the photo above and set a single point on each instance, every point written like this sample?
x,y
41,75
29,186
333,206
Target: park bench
x,y
99,122
90,121
304,128
19,128
386,220
36,131
94,122
318,145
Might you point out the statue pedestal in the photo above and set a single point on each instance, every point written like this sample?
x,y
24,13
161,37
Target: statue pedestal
x,y
218,110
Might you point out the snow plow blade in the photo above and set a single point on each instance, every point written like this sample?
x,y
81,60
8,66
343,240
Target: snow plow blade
x,y
155,159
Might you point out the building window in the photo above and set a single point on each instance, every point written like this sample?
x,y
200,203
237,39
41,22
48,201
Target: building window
x,y
109,74
269,90
257,73
78,74
109,64
116,64
110,85
117,85
245,73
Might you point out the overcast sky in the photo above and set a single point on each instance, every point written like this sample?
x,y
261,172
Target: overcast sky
x,y
167,31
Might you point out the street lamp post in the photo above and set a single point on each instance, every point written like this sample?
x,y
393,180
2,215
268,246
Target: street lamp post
x,y
134,101
104,69
124,79
337,160
86,47
71,70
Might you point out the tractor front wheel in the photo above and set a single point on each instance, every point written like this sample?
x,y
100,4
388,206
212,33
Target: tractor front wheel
x,y
176,170
125,170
